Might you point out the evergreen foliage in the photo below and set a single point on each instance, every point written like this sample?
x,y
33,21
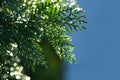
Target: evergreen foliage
x,y
25,23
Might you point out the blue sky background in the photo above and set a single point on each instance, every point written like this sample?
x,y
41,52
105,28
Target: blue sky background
x,y
98,47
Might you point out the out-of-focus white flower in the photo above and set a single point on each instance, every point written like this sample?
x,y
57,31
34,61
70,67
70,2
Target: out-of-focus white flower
x,y
16,72
41,29
78,9
10,53
42,1
15,64
12,74
38,40
65,4
29,2
34,6
72,3
34,2
43,17
11,69
57,5
17,77
70,22
19,17
25,1
35,33
19,68
24,4
14,45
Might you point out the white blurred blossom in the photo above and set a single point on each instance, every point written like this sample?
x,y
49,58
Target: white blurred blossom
x,y
78,9
10,53
12,74
14,45
42,1
12,69
72,3
15,64
18,77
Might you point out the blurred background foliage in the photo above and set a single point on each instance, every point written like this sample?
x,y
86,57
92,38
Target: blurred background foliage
x,y
34,37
